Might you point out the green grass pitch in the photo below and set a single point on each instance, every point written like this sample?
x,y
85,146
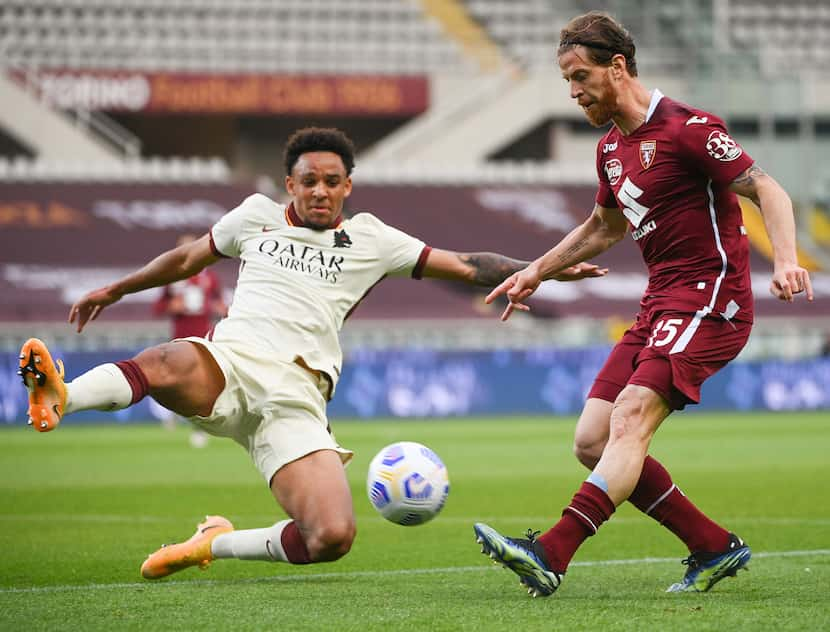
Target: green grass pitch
x,y
83,506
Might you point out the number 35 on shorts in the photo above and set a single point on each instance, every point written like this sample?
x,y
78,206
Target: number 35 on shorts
x,y
665,331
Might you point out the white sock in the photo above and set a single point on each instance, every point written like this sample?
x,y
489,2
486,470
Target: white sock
x,y
251,544
101,388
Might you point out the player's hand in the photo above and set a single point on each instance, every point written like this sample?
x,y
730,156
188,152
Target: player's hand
x,y
788,280
517,287
580,271
88,307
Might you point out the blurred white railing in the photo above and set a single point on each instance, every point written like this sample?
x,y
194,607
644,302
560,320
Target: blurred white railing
x,y
771,337
155,169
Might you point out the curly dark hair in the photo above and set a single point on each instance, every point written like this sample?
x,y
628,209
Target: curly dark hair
x,y
603,36
318,139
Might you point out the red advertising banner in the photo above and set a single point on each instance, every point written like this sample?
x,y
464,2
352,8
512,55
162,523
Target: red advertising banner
x,y
377,95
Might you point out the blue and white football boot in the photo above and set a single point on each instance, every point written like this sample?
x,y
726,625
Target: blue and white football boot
x,y
523,556
707,569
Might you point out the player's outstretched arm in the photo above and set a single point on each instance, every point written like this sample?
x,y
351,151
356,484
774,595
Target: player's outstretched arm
x,y
604,228
173,265
478,268
489,269
788,277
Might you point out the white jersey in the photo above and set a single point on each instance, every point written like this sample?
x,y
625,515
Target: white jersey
x,y
297,285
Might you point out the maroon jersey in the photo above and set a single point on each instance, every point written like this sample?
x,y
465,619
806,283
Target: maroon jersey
x,y
671,178
198,296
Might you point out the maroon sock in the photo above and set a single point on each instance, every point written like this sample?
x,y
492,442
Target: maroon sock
x,y
589,508
135,378
657,496
293,545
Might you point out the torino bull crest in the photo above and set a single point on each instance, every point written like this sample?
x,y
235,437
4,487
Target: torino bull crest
x,y
407,483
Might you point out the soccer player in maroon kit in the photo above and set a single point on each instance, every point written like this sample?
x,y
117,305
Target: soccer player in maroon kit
x,y
670,172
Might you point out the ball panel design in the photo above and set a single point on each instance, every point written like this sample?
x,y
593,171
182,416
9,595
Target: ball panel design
x,y
407,483
393,454
379,495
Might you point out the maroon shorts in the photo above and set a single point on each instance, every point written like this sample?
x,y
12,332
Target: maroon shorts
x,y
672,353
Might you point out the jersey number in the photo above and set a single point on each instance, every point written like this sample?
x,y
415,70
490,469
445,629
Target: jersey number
x,y
664,332
632,209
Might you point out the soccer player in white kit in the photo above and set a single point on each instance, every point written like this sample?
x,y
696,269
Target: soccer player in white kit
x,y
263,375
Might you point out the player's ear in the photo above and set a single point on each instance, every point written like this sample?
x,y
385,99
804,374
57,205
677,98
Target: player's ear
x,y
347,186
289,185
618,67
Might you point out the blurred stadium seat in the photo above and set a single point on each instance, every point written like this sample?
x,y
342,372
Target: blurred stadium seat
x,y
294,36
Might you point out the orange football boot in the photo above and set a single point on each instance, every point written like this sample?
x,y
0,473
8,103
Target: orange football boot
x,y
195,552
44,381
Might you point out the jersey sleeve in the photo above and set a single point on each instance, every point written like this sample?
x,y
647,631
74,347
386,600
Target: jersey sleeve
x,y
605,195
710,149
226,234
400,253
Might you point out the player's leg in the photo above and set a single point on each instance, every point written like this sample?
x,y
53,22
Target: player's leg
x,y
635,416
181,376
297,454
655,494
541,562
313,490
703,346
715,553
591,433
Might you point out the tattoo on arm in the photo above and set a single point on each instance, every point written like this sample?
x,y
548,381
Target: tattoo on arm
x,y
747,178
491,269
572,250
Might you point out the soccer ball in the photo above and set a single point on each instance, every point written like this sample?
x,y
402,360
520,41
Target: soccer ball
x,y
407,483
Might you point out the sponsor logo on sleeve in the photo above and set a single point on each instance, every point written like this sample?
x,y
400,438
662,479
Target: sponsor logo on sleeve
x,y
613,171
697,119
648,148
721,147
609,147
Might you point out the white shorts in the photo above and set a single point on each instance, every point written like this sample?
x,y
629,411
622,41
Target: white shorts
x,y
276,410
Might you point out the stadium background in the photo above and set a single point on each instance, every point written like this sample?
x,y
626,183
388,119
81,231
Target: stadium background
x,y
126,123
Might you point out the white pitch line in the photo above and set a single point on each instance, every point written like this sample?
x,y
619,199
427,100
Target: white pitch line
x,y
148,519
360,574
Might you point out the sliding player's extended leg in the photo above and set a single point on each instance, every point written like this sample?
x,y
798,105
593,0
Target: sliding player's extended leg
x,y
313,490
181,376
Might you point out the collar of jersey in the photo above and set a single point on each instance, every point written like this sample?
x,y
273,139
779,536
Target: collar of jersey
x,y
656,95
294,219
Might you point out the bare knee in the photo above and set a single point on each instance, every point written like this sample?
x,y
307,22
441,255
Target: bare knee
x,y
591,432
588,449
182,376
635,415
162,365
332,540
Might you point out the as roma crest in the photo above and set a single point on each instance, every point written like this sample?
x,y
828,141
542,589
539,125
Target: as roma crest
x,y
648,148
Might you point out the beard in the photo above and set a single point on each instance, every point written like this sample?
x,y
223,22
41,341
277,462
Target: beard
x,y
599,114
603,110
